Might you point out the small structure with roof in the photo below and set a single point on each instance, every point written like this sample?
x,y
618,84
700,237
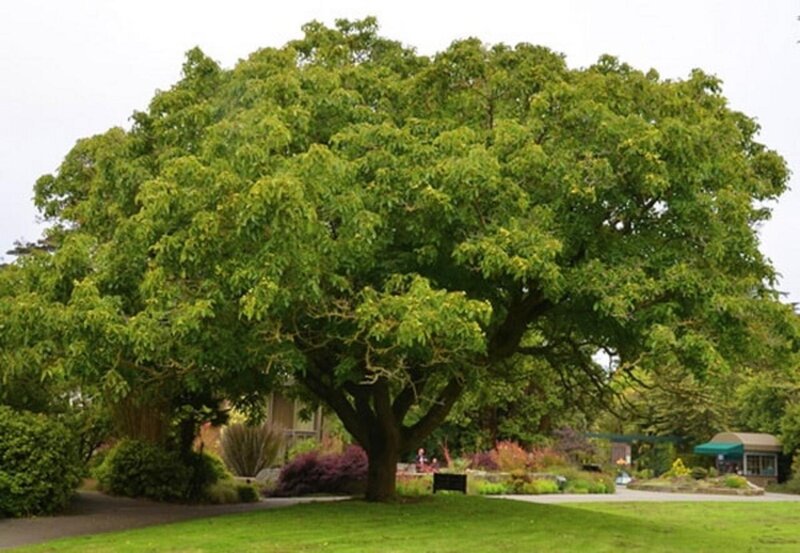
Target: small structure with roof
x,y
753,455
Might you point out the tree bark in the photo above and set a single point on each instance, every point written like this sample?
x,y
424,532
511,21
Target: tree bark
x,y
383,456
376,422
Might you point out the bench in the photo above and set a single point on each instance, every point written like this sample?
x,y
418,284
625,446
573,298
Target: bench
x,y
450,482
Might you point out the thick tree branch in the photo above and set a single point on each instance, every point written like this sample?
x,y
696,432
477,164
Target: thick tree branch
x,y
535,350
337,401
505,340
361,394
411,436
408,395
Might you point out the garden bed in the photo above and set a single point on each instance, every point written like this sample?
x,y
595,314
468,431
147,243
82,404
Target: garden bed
x,y
568,480
722,485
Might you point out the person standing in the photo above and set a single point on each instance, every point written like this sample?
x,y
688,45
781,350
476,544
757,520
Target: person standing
x,y
421,461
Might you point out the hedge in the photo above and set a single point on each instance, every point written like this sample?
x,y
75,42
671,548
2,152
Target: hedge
x,y
40,466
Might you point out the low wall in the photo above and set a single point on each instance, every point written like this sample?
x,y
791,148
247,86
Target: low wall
x,y
762,481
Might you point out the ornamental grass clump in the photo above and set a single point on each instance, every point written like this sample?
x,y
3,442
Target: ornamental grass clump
x,y
247,450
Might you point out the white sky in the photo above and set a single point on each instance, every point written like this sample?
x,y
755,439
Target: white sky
x,y
71,68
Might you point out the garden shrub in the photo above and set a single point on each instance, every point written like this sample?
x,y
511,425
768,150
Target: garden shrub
x,y
246,493
519,478
587,482
609,483
345,472
539,487
735,481
301,475
329,473
483,460
579,486
204,470
140,469
794,468
40,466
414,486
542,458
790,486
602,484
677,470
699,473
222,493
229,491
510,456
247,450
483,487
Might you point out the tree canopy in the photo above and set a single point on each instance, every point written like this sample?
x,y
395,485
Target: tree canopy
x,y
386,230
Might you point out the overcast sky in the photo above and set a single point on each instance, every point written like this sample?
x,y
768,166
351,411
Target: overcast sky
x,y
70,68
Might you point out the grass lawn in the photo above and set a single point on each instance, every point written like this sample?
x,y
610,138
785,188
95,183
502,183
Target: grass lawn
x,y
469,524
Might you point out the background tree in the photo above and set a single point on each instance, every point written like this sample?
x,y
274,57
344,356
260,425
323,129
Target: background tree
x,y
752,392
524,400
387,230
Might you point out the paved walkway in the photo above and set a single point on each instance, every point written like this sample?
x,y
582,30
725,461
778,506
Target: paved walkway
x,y
93,513
625,495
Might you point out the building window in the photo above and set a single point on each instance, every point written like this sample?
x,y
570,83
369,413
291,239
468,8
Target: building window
x,y
761,465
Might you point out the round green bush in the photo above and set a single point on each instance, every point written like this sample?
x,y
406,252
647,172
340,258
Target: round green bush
x,y
247,493
205,471
539,487
223,492
482,487
40,467
140,469
735,481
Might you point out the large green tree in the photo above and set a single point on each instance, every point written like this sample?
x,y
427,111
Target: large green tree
x,y
386,230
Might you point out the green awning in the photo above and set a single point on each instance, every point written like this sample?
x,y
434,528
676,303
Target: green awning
x,y
720,448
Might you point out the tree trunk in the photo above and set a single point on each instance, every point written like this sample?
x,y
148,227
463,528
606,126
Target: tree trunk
x,y
376,422
383,456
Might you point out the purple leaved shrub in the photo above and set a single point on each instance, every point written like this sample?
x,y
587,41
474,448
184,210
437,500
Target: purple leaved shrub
x,y
329,473
484,460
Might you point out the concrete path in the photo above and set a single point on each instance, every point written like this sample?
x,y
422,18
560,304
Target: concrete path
x,y
625,495
93,513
